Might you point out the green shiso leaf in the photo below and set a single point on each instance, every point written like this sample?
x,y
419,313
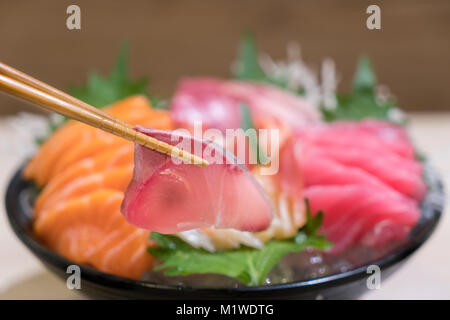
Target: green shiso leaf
x,y
248,67
101,91
361,102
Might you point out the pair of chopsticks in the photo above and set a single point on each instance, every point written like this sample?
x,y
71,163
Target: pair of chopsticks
x,y
26,87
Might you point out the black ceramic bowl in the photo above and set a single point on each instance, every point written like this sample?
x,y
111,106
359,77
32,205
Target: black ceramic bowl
x,y
345,285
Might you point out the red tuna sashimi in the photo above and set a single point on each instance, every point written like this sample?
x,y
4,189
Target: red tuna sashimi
x,y
364,177
217,104
356,214
380,149
382,129
404,175
346,135
392,136
322,171
167,197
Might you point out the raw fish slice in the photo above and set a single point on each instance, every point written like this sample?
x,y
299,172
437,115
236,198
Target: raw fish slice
x,y
40,166
118,256
169,198
114,179
390,232
382,129
333,135
402,174
269,101
158,119
217,103
392,135
290,176
88,229
354,211
339,202
132,109
375,198
85,149
319,170
104,161
202,99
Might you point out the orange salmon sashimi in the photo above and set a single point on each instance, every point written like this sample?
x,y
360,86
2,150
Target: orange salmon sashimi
x,y
91,230
85,150
38,169
115,179
114,157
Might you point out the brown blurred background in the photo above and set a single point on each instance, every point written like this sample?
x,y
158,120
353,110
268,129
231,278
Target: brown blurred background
x,y
169,39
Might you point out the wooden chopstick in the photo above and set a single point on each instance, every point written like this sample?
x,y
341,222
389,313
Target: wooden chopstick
x,y
32,82
57,101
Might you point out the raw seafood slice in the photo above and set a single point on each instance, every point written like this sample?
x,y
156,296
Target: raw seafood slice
x,y
346,135
365,178
167,197
402,174
352,212
104,161
370,151
216,103
319,170
91,230
114,179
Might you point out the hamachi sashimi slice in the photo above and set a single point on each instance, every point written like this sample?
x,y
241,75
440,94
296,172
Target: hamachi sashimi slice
x,y
168,197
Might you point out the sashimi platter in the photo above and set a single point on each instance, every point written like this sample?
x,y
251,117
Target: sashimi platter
x,y
303,181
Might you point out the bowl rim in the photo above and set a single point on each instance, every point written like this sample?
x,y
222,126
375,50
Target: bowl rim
x,y
432,206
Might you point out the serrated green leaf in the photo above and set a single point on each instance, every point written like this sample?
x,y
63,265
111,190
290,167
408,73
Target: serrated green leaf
x,y
101,91
364,79
361,103
247,67
313,224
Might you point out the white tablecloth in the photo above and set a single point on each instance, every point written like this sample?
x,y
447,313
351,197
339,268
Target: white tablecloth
x,y
425,276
